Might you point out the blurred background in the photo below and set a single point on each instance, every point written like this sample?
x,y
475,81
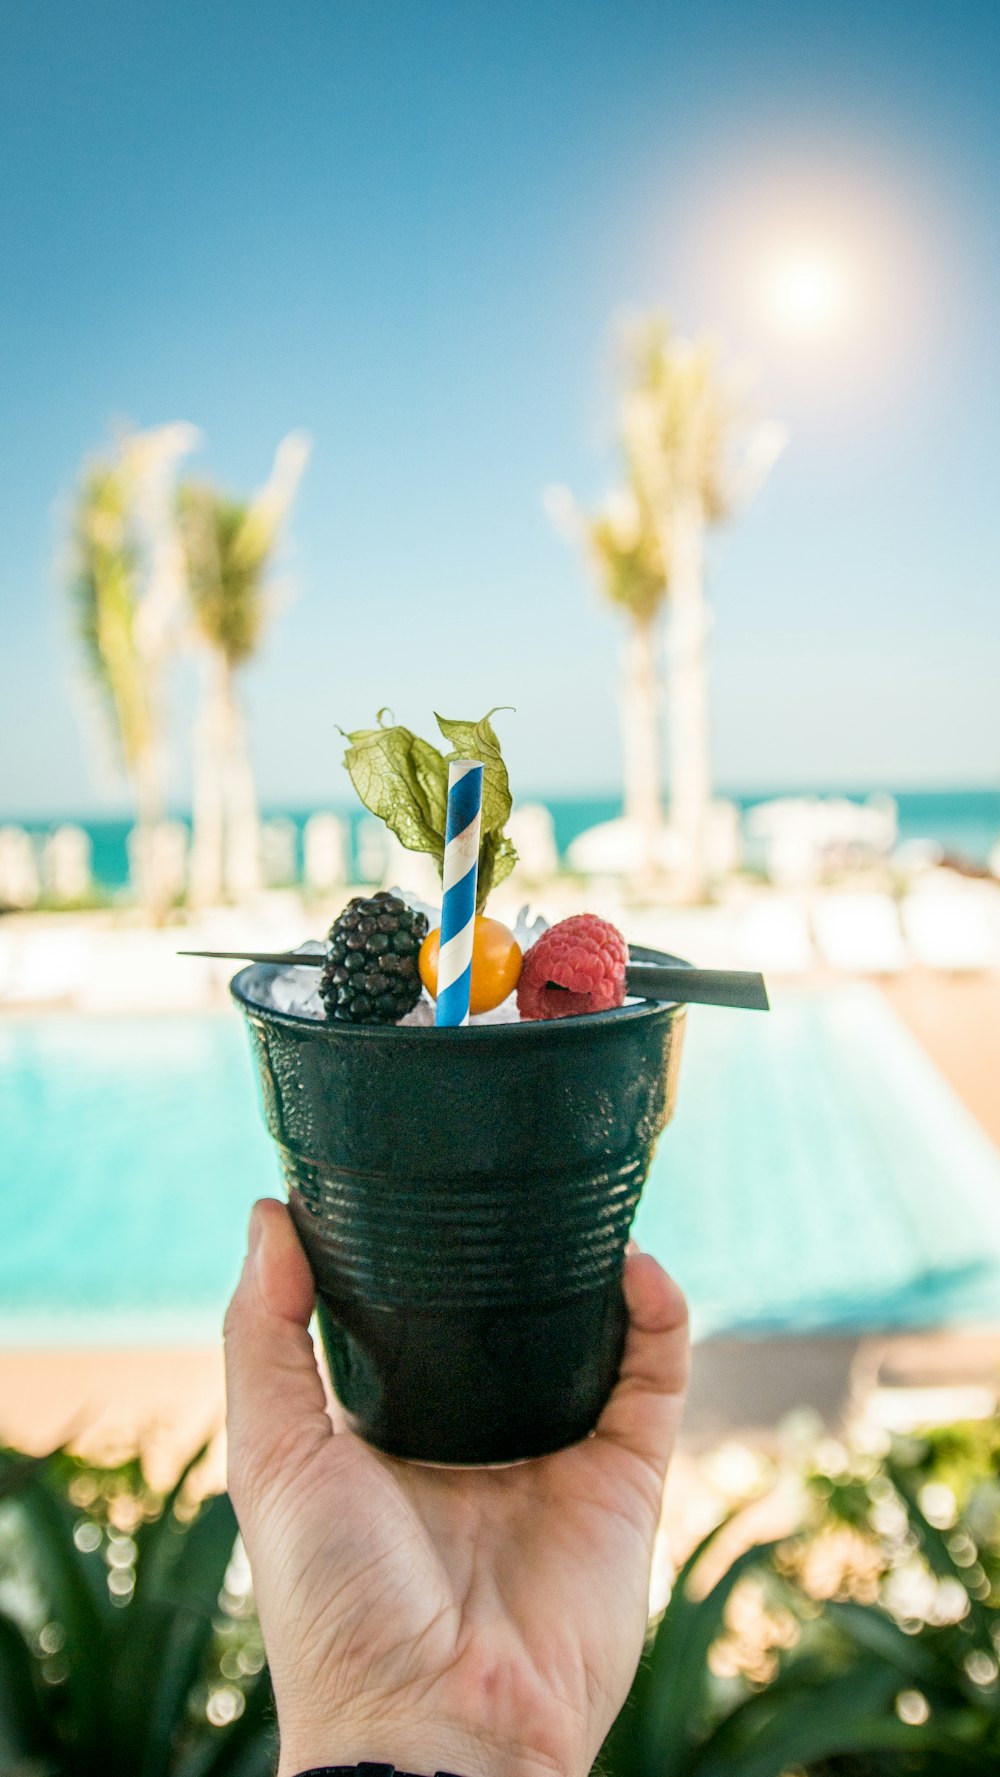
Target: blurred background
x,y
631,370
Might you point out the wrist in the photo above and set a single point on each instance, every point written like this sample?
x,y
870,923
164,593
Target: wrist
x,y
423,1748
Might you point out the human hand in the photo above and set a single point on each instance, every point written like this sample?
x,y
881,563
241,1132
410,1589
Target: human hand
x,y
484,1621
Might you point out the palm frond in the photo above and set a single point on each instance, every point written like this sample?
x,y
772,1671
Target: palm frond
x,y
628,559
679,417
104,595
226,566
229,546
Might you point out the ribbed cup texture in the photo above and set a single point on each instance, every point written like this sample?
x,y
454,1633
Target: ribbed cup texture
x,y
419,1243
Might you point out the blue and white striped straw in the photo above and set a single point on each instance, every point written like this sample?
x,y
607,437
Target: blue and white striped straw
x,y
458,880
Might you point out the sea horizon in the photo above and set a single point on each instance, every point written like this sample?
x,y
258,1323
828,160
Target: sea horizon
x,y
964,820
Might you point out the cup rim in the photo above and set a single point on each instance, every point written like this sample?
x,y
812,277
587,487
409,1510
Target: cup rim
x,y
581,1023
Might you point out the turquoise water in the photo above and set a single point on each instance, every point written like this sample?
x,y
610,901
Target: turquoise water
x,y
963,821
819,1174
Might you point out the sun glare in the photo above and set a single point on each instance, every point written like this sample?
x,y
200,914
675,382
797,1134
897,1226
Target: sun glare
x,y
806,292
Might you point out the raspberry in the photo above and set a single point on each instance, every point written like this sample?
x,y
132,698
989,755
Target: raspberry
x,y
576,966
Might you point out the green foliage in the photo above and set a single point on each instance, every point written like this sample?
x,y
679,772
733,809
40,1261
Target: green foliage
x,y
626,552
104,592
864,1646
227,547
678,418
678,424
121,1640
404,781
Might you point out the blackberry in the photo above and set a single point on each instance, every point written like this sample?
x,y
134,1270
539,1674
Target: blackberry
x,y
370,975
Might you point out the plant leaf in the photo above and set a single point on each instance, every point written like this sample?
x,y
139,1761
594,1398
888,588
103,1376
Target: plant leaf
x,y
626,1748
477,740
792,1723
655,1731
937,1553
158,1539
167,1634
873,1631
63,1575
404,781
248,1748
25,1732
497,858
679,1655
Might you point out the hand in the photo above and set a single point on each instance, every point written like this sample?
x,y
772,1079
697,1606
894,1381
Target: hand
x,y
483,1621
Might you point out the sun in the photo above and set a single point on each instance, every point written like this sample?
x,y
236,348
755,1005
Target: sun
x,y
805,291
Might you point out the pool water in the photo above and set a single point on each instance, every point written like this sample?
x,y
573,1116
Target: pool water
x,y
819,1174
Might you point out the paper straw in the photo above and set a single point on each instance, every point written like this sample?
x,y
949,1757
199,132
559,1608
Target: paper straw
x,y
458,880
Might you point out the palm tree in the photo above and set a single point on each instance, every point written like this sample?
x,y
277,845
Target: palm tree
x,y
229,547
625,552
126,595
692,458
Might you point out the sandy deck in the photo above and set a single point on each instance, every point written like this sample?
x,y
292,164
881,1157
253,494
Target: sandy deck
x,y
957,1020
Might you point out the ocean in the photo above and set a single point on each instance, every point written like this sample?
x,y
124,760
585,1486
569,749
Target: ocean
x,y
965,822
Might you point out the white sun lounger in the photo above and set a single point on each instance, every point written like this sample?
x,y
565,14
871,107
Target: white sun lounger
x,y
859,934
954,926
45,966
704,935
772,933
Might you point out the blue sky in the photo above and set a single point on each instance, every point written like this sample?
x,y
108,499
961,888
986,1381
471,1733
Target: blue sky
x,y
408,229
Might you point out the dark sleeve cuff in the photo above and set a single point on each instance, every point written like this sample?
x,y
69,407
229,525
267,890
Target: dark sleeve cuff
x,y
366,1769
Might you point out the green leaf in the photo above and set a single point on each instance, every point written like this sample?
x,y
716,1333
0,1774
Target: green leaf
x,y
629,1749
654,1734
18,1472
25,1733
792,1723
206,1550
477,740
63,1576
166,1636
404,781
158,1539
497,858
248,1748
678,1661
873,1630
937,1553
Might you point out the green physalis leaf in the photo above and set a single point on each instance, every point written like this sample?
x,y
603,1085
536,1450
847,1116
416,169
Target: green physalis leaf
x,y
404,781
497,858
477,740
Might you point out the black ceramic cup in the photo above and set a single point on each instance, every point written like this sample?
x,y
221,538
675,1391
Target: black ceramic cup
x,y
464,1198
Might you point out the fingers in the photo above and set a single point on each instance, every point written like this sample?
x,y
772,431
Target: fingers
x,y
275,1402
643,1414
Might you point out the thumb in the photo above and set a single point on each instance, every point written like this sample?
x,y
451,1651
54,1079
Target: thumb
x,y
644,1412
275,1403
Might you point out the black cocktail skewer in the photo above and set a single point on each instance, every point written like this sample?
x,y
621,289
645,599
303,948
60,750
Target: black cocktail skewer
x,y
740,988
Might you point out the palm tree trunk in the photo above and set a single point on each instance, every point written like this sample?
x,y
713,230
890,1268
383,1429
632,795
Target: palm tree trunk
x,y
690,754
242,846
640,724
147,779
206,883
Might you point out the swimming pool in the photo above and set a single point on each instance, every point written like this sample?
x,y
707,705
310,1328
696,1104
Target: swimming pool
x,y
819,1175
